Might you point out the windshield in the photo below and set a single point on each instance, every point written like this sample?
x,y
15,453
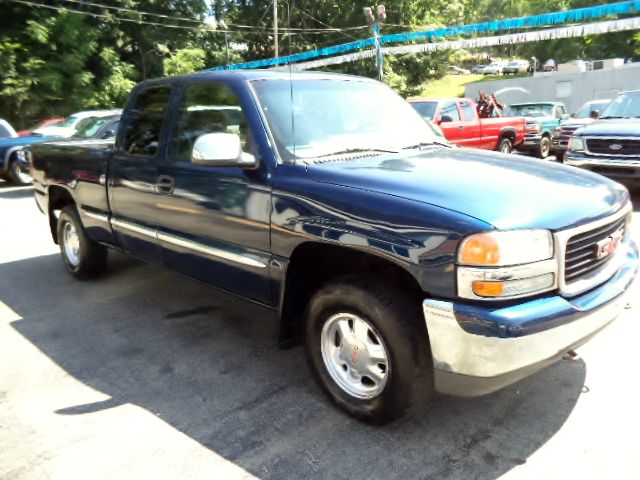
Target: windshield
x,y
315,118
427,110
88,127
587,108
539,110
70,122
625,105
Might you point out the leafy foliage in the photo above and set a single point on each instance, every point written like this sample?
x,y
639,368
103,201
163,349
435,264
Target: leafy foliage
x,y
55,62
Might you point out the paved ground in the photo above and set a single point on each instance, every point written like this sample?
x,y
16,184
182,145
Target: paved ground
x,y
144,374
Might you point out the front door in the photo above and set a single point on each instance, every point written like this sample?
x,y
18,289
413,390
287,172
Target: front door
x,y
133,173
213,222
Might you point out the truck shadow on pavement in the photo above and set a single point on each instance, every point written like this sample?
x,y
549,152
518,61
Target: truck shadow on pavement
x,y
9,191
209,366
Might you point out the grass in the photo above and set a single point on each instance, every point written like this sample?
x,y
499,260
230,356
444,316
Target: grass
x,y
453,85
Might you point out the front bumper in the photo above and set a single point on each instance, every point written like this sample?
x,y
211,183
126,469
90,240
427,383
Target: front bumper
x,y
531,140
478,349
619,168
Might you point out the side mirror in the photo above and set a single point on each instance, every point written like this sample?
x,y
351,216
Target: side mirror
x,y
109,134
446,119
221,149
565,116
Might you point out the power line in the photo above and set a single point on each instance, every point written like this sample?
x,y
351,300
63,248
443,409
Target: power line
x,y
191,20
207,27
346,35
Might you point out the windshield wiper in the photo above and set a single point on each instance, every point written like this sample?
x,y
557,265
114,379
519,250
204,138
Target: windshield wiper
x,y
425,144
611,116
357,150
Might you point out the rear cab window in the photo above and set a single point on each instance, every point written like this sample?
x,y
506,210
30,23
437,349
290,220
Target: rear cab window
x,y
145,120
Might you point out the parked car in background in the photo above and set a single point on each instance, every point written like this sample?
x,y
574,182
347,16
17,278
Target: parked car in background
x,y
459,122
11,165
94,129
453,70
549,66
588,113
516,66
75,122
478,68
542,120
494,68
611,145
6,130
405,266
52,122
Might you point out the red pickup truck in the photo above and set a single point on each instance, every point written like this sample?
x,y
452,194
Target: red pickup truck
x,y
459,121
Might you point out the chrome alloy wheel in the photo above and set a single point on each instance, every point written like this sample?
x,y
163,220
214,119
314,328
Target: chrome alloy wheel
x,y
354,355
22,177
71,244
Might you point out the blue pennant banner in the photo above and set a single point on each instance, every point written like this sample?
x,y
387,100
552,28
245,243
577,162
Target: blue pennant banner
x,y
547,19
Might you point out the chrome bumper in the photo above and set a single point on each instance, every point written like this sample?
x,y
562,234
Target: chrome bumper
x,y
527,336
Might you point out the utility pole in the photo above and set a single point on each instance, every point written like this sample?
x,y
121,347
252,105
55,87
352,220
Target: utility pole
x,y
374,21
275,28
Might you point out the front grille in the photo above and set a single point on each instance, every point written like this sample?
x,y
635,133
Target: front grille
x,y
565,134
614,146
581,255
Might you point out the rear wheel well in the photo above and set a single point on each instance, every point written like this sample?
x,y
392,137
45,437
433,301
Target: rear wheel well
x,y
313,265
510,134
58,199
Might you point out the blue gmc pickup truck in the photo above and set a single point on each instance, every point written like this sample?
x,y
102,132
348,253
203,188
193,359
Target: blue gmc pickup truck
x,y
407,267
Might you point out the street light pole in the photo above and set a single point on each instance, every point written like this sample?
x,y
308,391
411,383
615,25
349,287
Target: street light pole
x,y
275,28
374,22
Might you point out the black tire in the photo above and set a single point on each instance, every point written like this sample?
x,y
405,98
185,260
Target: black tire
x,y
505,145
15,175
544,147
91,259
395,318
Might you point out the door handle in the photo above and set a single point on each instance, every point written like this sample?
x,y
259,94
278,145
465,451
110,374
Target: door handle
x,y
461,127
165,184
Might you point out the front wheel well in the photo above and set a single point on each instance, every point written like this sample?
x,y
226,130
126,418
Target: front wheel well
x,y
59,198
313,265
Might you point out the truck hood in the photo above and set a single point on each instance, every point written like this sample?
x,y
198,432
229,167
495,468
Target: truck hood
x,y
624,127
506,191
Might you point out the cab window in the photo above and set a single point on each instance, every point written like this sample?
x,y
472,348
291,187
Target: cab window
x,y
207,108
450,109
144,125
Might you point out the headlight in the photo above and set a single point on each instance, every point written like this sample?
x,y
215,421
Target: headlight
x,y
513,247
576,144
506,264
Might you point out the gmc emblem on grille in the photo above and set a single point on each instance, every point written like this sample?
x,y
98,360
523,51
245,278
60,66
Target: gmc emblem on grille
x,y
609,245
615,147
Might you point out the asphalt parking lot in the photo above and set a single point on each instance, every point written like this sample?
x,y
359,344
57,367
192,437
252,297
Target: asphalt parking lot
x,y
145,374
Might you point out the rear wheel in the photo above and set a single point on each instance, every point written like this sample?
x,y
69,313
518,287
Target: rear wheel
x,y
544,147
82,257
505,145
368,350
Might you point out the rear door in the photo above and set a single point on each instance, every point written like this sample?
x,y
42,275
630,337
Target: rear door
x,y
214,222
133,172
450,122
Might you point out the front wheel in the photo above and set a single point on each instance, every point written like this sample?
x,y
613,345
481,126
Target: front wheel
x,y
505,146
82,257
368,349
15,173
544,147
